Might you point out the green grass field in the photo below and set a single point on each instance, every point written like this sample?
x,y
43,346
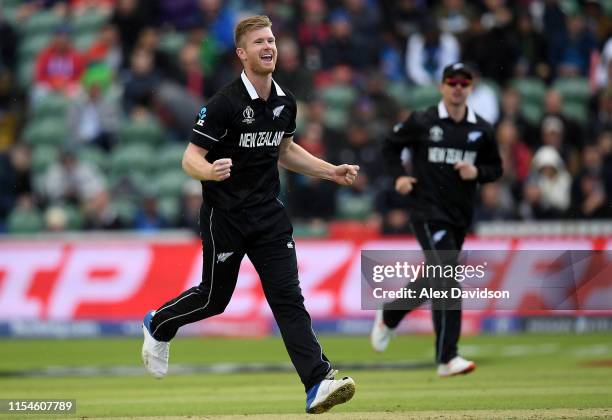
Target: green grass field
x,y
528,376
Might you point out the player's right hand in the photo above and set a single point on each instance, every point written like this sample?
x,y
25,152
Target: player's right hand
x,y
403,184
221,169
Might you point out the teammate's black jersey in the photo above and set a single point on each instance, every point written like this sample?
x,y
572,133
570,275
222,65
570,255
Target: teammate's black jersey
x,y
236,123
437,142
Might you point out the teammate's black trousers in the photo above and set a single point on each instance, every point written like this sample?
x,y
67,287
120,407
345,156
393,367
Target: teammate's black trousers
x,y
446,313
265,235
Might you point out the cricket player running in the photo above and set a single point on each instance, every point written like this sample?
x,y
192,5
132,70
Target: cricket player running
x,y
237,142
453,149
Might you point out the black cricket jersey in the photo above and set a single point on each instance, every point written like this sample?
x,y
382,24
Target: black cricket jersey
x,y
437,142
236,123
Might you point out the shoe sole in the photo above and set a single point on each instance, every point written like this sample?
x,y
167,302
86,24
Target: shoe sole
x,y
465,371
339,396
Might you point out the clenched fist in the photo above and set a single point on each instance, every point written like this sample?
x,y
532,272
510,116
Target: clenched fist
x,y
221,169
345,174
467,171
404,184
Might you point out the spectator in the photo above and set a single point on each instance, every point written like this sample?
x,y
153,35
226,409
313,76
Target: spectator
x,y
130,19
454,16
59,66
106,48
93,116
500,45
361,149
179,14
428,52
163,62
395,220
312,32
578,46
15,178
532,60
190,69
100,214
148,218
191,200
516,157
403,17
390,58
219,19
71,181
547,191
56,219
311,200
140,81
290,72
483,100
494,204
342,48
386,109
511,111
588,190
8,44
604,148
555,32
572,131
601,112
365,22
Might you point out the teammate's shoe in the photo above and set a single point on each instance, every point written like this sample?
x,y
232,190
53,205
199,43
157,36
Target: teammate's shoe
x,y
329,392
381,334
457,366
154,353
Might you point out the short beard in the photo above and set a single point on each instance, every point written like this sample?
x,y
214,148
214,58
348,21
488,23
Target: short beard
x,y
262,71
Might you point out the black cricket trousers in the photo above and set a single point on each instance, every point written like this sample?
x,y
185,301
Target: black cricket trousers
x,y
264,233
446,313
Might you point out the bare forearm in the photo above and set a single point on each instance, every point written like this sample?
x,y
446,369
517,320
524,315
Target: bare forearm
x,y
197,167
296,159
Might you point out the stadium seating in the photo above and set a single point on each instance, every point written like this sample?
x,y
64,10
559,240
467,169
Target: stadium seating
x,y
50,106
42,22
422,97
89,22
532,91
51,131
140,132
94,156
576,93
43,156
24,221
169,183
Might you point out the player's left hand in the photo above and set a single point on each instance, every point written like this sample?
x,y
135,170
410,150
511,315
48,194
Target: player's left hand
x,y
467,171
345,174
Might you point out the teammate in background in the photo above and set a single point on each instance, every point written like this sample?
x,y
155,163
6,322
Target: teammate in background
x,y
452,150
235,147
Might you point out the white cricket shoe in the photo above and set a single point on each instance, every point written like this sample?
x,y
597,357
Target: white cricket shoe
x,y
154,353
381,334
457,366
328,393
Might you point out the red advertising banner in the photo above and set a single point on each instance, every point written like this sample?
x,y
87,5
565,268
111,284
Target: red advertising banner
x,y
113,280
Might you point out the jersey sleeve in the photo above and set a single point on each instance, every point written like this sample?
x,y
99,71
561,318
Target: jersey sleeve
x,y
290,130
403,135
489,162
211,123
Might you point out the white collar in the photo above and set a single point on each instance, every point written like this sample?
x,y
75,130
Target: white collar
x,y
443,113
251,89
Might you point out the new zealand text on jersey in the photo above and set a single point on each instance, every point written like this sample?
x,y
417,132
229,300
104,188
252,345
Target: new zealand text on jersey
x,y
260,139
450,155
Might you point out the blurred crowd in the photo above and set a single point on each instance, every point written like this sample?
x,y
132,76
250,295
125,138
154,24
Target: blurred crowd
x,y
97,98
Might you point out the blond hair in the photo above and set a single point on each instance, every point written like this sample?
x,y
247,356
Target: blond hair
x,y
250,24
